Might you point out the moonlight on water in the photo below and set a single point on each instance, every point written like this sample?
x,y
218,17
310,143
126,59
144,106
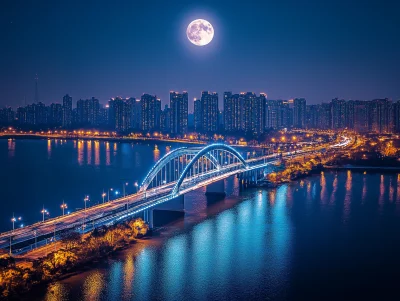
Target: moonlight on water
x,y
200,32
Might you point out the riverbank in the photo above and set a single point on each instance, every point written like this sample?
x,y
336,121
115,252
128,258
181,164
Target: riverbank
x,y
100,138
362,168
276,179
77,252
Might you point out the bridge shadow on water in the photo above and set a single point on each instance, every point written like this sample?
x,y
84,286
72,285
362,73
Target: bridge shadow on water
x,y
198,206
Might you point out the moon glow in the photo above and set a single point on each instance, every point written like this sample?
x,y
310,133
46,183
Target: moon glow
x,y
200,32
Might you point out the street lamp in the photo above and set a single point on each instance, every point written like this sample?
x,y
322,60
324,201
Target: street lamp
x,y
63,207
44,211
136,186
109,193
103,196
13,220
86,199
123,187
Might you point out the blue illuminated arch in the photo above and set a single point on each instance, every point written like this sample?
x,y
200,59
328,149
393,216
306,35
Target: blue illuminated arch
x,y
204,152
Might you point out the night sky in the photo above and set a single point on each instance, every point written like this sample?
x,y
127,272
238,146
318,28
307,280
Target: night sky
x,y
313,49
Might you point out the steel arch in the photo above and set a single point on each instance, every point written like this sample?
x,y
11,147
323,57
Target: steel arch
x,y
168,158
202,153
160,163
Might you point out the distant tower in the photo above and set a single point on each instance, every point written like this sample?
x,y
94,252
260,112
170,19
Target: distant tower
x,y
36,89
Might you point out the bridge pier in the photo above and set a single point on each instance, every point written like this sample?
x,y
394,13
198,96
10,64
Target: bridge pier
x,y
250,177
148,217
165,213
216,188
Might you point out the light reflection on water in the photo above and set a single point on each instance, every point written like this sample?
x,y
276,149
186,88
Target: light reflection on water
x,y
44,172
81,149
93,285
96,153
258,248
11,148
89,152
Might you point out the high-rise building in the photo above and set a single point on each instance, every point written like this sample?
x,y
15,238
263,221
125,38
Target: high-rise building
x,y
75,116
338,107
165,120
151,111
55,115
7,116
198,115
349,114
103,115
396,116
299,113
39,113
67,111
88,111
137,115
81,110
258,114
93,108
381,115
232,112
22,115
118,114
178,112
247,100
129,112
272,111
30,114
361,116
325,118
245,112
312,116
209,103
284,114
220,120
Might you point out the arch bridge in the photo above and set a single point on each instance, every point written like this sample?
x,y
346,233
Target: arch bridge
x,y
189,167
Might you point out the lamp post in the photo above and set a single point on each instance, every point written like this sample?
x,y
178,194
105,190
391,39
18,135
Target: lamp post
x,y
123,187
136,186
13,220
103,196
86,199
44,211
109,193
63,207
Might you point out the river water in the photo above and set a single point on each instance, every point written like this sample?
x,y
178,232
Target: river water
x,y
334,236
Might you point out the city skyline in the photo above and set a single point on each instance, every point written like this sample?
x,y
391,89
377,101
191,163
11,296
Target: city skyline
x,y
191,99
241,113
289,52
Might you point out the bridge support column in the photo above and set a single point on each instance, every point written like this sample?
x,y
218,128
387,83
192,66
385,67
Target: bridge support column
x,y
216,188
168,212
148,217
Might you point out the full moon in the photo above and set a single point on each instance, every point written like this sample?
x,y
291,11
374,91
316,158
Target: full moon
x,y
200,32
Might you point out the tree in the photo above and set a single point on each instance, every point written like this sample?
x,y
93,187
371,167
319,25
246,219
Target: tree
x,y
139,227
58,261
7,261
71,239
